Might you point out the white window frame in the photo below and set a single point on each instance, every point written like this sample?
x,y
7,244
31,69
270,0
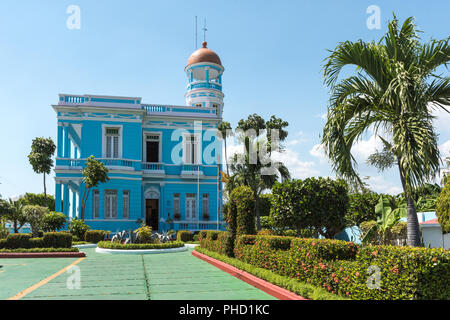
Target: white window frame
x,y
96,204
144,148
120,140
126,204
111,203
198,148
177,207
191,197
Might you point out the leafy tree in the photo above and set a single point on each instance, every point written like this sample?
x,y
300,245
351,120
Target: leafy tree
x,y
224,128
315,205
443,208
12,210
54,221
40,157
388,217
93,173
41,199
261,173
34,215
392,92
264,204
361,208
78,228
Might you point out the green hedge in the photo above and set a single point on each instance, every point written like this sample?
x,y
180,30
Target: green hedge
x,y
139,246
49,240
57,240
94,236
184,235
39,250
346,269
302,289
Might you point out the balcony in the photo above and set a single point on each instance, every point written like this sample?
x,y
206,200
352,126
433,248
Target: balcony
x,y
191,170
153,169
204,85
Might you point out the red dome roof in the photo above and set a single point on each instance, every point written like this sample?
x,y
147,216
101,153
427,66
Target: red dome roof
x,y
204,55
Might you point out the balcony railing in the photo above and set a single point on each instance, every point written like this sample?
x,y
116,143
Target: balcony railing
x,y
204,85
184,170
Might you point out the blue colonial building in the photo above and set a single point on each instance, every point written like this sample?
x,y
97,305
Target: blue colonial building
x,y
162,159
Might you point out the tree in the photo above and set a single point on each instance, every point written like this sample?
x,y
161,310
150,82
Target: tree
x,y
40,157
93,173
54,221
388,218
314,204
443,208
13,211
41,199
224,128
34,215
78,228
361,208
255,167
393,94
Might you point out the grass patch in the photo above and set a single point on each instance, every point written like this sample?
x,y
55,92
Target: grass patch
x,y
140,246
77,243
302,289
39,250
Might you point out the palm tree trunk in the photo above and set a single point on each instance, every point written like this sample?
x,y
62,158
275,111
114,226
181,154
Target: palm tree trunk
x,y
45,192
413,231
226,160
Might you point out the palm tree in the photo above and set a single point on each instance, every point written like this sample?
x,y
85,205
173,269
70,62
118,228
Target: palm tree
x,y
224,128
393,92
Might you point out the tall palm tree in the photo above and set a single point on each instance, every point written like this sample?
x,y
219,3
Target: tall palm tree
x,y
393,92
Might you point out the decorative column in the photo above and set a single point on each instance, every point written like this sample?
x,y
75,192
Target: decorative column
x,y
58,197
161,199
74,204
75,153
66,142
59,141
66,199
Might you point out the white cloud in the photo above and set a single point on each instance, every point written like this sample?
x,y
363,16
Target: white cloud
x,y
298,169
441,123
318,152
380,185
445,149
299,138
362,149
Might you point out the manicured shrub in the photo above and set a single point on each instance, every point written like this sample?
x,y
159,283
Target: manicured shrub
x,y
325,249
94,236
39,250
78,228
265,232
184,235
443,207
195,237
274,242
139,246
144,235
57,240
34,215
244,205
17,240
54,221
36,243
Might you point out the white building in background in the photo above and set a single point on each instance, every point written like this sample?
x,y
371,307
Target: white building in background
x,y
433,236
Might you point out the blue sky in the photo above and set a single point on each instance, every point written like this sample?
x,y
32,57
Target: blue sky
x,y
272,52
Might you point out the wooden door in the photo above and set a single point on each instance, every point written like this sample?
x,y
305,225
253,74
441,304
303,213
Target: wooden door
x,y
152,213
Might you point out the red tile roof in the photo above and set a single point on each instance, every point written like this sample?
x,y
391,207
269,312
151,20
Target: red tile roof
x,y
432,221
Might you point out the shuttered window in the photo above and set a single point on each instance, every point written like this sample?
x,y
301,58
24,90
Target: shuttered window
x,y
112,142
126,204
110,204
191,205
95,204
191,149
205,204
176,203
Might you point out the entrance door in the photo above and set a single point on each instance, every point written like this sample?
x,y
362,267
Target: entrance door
x,y
152,213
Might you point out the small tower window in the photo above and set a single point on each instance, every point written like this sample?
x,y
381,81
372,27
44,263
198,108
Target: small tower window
x,y
198,105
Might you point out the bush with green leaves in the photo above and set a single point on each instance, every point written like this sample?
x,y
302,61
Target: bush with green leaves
x,y
314,203
144,235
94,236
78,228
395,235
361,208
57,240
54,221
39,199
3,230
244,203
184,235
443,208
34,215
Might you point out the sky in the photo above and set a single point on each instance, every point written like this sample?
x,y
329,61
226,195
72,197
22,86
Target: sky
x,y
272,52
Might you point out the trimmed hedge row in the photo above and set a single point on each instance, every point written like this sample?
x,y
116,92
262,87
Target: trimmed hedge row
x,y
25,241
184,235
94,236
305,290
39,250
139,246
371,272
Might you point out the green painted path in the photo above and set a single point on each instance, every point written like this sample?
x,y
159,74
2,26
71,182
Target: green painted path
x,y
171,276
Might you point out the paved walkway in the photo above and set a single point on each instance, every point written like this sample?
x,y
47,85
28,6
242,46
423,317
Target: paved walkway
x,y
171,276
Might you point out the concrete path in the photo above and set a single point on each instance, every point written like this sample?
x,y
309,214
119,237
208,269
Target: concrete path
x,y
171,276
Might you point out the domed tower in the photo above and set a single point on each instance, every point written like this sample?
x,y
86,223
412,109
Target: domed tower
x,y
204,71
